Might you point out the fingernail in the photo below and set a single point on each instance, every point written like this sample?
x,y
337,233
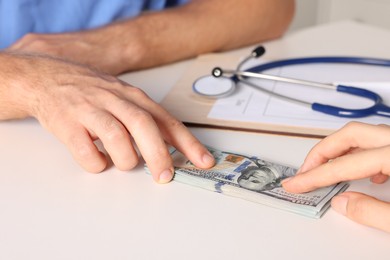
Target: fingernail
x,y
208,159
165,176
339,204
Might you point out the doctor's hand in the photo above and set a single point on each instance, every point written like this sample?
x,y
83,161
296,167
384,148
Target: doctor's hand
x,y
356,151
79,105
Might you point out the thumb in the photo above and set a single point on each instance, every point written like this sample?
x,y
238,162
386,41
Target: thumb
x,y
363,209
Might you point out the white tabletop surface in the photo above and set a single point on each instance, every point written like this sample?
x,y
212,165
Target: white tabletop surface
x,y
51,209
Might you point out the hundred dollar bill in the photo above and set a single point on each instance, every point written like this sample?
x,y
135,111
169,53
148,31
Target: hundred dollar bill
x,y
254,179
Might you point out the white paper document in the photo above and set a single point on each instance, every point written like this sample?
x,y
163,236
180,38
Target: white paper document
x,y
248,104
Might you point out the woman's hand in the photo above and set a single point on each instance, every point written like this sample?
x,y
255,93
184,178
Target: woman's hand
x,y
354,152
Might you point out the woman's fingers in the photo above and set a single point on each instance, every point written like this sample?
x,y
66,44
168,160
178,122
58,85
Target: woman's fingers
x,y
363,209
352,136
348,167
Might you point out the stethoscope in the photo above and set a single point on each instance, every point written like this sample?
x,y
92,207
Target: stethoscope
x,y
218,85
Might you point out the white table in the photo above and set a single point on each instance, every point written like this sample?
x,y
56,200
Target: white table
x,y
51,209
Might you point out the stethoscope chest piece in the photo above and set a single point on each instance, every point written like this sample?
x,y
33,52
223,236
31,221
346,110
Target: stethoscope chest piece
x,y
212,87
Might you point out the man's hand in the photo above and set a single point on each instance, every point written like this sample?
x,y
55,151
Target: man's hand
x,y
80,105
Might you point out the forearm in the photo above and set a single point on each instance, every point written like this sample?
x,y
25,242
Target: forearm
x,y
156,38
202,26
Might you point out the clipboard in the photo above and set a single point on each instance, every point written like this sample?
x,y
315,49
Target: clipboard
x,y
195,110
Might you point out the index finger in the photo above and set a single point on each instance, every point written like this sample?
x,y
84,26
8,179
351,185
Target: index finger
x,y
353,135
348,167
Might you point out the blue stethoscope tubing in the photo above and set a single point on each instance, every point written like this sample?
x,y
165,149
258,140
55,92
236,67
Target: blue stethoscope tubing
x,y
378,108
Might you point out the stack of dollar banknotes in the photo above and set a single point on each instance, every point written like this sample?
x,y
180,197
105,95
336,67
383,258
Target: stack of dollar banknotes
x,y
253,179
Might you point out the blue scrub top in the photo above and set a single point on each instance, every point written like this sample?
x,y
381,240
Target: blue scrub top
x,y
18,17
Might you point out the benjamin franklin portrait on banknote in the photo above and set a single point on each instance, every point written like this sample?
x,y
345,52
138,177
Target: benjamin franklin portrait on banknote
x,y
264,176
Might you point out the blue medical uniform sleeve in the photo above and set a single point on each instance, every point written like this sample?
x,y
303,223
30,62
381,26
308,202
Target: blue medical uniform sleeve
x,y
19,17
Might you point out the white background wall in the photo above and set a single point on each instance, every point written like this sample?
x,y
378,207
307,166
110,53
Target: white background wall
x,y
311,12
305,15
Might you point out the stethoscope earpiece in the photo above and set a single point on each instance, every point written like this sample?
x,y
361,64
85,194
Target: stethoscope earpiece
x,y
258,51
217,72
